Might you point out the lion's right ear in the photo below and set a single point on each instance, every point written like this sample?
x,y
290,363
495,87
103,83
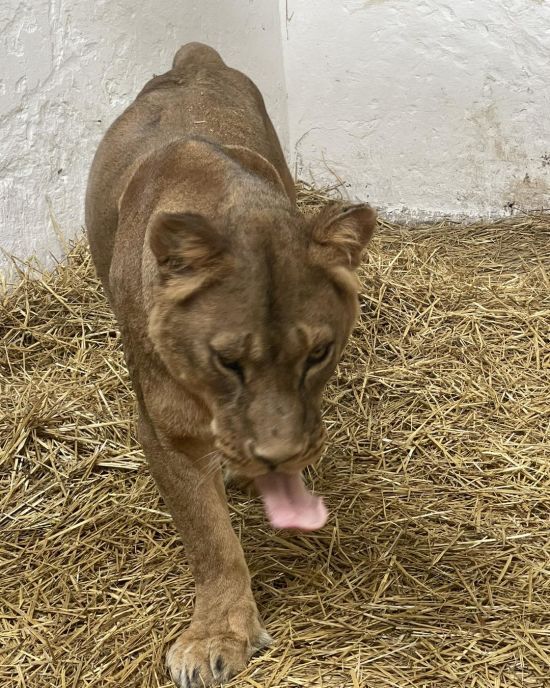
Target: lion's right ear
x,y
185,241
341,232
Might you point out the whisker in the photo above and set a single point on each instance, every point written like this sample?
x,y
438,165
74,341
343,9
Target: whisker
x,y
212,466
206,476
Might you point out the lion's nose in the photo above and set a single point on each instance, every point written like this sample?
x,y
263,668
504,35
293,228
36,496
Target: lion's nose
x,y
278,452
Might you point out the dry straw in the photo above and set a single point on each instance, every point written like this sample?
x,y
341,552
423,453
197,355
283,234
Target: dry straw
x,y
435,567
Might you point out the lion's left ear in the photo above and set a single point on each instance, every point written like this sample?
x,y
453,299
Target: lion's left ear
x,y
341,232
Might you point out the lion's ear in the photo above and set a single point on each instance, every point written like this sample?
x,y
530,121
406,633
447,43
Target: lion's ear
x,y
182,241
341,232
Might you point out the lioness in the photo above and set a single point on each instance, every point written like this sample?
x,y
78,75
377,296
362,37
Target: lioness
x,y
234,310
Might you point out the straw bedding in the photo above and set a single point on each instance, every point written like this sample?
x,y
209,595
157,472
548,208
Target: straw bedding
x,y
434,570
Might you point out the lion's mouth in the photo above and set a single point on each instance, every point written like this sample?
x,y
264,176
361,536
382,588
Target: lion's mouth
x,y
289,504
287,501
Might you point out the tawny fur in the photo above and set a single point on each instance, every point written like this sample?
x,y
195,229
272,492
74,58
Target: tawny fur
x,y
220,288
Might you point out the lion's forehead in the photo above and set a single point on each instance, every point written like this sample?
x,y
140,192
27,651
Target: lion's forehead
x,y
283,341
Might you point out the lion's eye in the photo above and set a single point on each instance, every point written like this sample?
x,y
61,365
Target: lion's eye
x,y
230,365
318,354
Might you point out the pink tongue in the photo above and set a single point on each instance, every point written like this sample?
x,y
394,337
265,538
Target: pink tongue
x,y
289,504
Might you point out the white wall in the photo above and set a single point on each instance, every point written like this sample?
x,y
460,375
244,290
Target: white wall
x,y
69,67
426,108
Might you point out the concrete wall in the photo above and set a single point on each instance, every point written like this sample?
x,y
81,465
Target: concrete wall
x,y
69,67
426,108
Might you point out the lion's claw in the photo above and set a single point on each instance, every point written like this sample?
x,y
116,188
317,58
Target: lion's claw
x,y
197,660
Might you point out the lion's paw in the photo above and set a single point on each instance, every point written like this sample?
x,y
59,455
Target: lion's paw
x,y
198,659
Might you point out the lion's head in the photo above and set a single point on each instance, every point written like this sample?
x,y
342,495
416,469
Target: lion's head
x,y
252,313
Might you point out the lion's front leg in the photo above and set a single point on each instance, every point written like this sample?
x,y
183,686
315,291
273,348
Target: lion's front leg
x,y
225,629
